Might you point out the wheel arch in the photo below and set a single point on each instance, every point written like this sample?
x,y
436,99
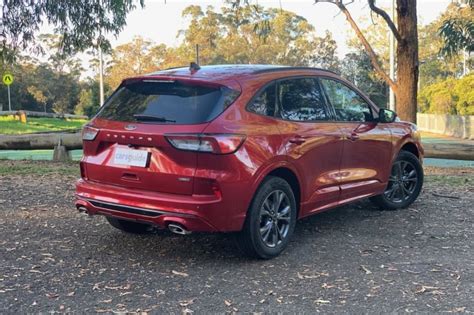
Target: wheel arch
x,y
412,148
289,174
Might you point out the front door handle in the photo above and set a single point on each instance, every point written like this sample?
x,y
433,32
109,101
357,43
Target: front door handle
x,y
353,136
297,140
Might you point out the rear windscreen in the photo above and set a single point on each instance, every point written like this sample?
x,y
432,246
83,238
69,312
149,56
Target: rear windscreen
x,y
170,102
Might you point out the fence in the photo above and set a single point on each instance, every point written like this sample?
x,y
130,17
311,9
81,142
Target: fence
x,y
450,125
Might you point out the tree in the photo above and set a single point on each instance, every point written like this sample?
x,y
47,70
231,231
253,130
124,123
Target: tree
x,y
357,68
450,96
325,53
457,31
406,35
89,99
81,23
252,34
135,58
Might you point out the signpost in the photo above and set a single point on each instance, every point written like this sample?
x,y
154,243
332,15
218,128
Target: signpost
x,y
8,80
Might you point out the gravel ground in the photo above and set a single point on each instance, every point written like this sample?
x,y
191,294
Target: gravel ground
x,y
353,259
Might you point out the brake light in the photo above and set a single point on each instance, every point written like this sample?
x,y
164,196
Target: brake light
x,y
89,133
211,143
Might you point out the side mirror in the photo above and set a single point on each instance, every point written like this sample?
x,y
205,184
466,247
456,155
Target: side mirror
x,y
387,115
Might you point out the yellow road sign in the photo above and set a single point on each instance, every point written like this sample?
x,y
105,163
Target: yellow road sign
x,y
7,78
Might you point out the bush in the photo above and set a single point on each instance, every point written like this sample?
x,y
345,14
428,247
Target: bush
x,y
451,96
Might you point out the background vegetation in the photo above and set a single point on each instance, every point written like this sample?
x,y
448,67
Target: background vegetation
x,y
52,81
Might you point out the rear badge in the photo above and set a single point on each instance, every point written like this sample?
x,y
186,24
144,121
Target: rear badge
x,y
130,127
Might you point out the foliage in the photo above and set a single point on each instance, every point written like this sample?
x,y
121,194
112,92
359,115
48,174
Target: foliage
x,y
82,23
457,30
450,96
89,98
233,35
251,34
357,68
376,32
8,125
138,57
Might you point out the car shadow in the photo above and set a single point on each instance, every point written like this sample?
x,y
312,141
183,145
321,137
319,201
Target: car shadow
x,y
162,245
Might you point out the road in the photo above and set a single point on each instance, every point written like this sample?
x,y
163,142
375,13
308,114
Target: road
x,y
353,259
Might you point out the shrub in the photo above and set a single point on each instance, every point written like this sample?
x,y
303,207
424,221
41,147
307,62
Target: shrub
x,y
450,96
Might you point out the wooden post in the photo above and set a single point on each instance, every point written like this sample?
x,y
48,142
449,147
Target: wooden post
x,y
61,153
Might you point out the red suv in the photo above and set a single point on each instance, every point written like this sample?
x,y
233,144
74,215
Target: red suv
x,y
242,148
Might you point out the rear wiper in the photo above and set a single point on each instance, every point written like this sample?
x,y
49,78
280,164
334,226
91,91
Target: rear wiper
x,y
145,117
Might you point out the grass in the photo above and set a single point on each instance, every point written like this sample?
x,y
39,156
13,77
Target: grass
x,y
41,155
38,168
455,181
8,125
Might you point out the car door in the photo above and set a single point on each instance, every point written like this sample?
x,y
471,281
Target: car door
x,y
365,163
313,143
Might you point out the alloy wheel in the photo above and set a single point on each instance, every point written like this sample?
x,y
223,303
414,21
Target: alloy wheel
x,y
402,182
275,217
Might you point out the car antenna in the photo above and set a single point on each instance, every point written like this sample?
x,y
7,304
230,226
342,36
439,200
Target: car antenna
x,y
194,67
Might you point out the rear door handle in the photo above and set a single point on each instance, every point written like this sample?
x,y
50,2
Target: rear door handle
x,y
297,140
353,136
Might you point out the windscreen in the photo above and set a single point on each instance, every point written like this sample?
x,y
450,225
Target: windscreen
x,y
167,102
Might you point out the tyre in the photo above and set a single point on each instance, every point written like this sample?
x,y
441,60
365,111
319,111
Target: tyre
x,y
129,226
404,184
270,220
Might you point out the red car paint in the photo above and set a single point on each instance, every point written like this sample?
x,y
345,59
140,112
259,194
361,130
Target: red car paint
x,y
327,163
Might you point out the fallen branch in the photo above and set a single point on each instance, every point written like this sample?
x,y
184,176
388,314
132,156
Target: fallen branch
x,y
445,196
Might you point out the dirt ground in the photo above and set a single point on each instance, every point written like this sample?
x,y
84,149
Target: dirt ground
x,y
353,259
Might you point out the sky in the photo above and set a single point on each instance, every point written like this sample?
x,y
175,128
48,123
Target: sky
x,y
160,21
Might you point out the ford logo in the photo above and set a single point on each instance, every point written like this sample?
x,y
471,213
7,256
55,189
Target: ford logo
x,y
130,127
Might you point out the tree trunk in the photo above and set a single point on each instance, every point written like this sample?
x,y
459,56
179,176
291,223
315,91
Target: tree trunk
x,y
407,60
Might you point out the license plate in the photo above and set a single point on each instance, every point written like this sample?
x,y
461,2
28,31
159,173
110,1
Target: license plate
x,y
131,157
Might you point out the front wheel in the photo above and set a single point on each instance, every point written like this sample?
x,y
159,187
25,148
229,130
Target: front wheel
x,y
270,220
404,184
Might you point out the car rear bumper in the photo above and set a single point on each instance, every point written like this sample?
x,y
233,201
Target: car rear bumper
x,y
195,213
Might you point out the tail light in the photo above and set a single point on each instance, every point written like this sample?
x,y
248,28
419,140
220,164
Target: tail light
x,y
211,143
89,133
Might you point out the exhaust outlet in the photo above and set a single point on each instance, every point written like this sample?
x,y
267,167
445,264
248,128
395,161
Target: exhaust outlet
x,y
82,209
178,229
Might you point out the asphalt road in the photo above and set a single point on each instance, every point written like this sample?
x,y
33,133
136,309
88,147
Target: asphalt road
x,y
354,259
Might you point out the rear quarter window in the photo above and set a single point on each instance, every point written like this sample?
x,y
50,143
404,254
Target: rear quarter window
x,y
172,102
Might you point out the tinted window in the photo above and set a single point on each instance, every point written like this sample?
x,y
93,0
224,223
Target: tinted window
x,y
264,103
167,102
301,100
349,105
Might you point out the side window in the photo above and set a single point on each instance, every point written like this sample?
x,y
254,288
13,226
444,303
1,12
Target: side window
x,y
348,105
301,100
264,103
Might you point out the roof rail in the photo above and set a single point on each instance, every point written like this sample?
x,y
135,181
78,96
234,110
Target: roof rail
x,y
276,69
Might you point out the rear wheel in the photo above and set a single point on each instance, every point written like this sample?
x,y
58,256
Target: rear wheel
x,y
404,184
129,226
270,220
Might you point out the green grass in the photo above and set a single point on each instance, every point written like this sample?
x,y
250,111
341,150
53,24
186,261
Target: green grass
x,y
13,127
38,168
35,155
454,181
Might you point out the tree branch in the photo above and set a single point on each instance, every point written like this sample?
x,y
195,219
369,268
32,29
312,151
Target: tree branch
x,y
387,19
373,57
